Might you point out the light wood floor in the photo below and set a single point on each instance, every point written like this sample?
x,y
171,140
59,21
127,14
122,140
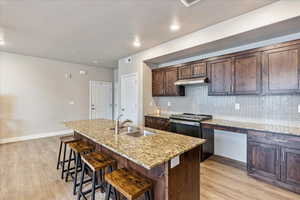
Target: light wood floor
x,y
28,172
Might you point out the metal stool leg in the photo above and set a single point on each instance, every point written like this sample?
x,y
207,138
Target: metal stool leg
x,y
115,193
59,153
93,185
69,163
76,170
81,182
63,162
108,189
148,195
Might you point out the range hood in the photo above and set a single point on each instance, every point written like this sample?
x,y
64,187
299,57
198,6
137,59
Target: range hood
x,y
192,81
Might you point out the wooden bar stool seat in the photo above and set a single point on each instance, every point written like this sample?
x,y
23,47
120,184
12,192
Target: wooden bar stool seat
x,y
96,163
77,149
64,140
129,184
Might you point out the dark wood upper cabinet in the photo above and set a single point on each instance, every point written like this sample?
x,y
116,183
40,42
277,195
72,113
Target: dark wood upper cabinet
x,y
163,82
198,70
171,76
220,76
266,70
281,70
185,72
247,74
158,80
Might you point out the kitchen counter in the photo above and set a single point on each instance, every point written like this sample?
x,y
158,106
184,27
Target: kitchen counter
x,y
163,116
254,126
146,151
170,160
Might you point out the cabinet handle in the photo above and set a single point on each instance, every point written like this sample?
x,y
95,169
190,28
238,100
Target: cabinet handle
x,y
283,156
280,140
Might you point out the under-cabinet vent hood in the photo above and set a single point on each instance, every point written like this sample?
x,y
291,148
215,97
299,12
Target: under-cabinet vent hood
x,y
189,3
192,81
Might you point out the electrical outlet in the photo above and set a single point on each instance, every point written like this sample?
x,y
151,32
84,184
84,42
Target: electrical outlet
x,y
169,103
299,108
237,106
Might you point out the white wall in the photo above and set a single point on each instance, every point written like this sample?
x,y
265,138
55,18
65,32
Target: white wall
x,y
35,96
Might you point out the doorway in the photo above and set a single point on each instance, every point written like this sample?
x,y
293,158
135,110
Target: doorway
x,y
101,100
129,97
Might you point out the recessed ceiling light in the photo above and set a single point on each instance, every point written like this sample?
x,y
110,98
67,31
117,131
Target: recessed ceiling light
x,y
174,27
137,43
95,61
2,42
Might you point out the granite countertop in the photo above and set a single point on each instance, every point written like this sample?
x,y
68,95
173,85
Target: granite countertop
x,y
164,116
256,126
147,151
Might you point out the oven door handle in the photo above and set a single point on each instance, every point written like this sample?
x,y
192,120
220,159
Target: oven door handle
x,y
184,122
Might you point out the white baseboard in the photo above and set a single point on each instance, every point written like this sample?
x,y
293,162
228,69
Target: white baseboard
x,y
35,136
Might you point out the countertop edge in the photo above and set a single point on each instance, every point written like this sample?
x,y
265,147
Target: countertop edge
x,y
212,122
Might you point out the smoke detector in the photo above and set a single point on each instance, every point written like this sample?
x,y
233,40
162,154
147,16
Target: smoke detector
x,y
189,3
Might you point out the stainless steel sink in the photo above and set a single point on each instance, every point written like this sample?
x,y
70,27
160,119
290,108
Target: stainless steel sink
x,y
140,133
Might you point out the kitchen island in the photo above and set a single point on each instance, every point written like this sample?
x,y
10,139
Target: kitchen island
x,y
172,161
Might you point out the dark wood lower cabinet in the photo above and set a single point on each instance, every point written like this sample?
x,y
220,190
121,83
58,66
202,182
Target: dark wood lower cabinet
x,y
274,158
290,167
157,123
263,160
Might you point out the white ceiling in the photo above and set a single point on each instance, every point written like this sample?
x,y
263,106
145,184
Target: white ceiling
x,y
83,31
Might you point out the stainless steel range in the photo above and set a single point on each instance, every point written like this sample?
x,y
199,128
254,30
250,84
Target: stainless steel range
x,y
190,125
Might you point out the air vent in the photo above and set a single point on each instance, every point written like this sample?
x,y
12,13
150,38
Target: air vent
x,y
189,3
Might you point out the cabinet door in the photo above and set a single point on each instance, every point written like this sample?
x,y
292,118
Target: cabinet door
x,y
171,76
185,72
220,74
199,70
290,167
247,74
263,160
281,70
158,83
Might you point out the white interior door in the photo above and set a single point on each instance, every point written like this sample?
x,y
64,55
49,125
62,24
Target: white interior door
x,y
100,100
116,107
129,97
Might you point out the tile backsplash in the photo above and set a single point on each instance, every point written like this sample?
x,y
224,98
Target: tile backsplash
x,y
281,110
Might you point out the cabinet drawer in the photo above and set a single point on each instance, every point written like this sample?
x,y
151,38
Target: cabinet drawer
x,y
274,138
157,123
263,137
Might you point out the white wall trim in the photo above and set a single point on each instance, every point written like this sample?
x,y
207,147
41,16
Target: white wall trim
x,y
35,136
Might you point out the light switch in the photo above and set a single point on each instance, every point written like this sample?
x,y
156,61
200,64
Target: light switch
x,y
237,106
169,103
299,108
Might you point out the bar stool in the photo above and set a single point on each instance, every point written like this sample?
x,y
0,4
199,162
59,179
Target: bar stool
x,y
64,140
77,149
95,163
129,184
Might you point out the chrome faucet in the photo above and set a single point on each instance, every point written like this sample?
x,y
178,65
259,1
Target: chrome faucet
x,y
117,124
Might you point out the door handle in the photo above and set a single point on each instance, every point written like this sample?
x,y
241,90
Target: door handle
x,y
92,108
